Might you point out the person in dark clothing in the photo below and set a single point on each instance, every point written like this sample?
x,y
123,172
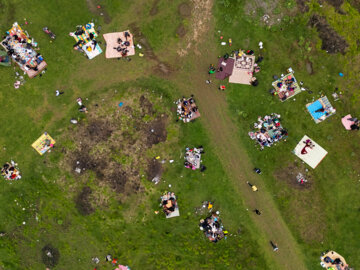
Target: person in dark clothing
x,y
259,59
257,212
320,110
355,127
257,170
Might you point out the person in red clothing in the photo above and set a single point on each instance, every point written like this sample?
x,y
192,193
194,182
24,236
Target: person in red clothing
x,y
114,261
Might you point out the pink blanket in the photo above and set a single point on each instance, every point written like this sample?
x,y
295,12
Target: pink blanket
x,y
347,123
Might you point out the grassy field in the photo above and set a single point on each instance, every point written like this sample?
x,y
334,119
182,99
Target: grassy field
x,y
323,216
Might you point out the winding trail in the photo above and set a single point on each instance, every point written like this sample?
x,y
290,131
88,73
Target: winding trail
x,y
225,140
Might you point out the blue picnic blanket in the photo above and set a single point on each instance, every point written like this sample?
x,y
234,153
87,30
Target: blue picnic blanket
x,y
313,107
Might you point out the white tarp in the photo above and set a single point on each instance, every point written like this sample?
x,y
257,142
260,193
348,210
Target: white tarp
x,y
312,155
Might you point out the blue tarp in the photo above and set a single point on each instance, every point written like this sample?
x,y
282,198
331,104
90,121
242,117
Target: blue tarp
x,y
313,107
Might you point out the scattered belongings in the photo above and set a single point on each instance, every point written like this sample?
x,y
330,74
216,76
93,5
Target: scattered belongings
x,y
213,228
193,158
300,178
286,87
169,205
350,123
333,260
320,109
225,68
120,44
4,59
187,109
22,48
85,40
243,68
310,152
268,130
10,171
43,144
206,207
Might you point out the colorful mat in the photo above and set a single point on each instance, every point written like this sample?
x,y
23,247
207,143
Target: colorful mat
x,y
40,144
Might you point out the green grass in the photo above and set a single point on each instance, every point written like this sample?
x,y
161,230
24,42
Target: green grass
x,y
324,217
128,230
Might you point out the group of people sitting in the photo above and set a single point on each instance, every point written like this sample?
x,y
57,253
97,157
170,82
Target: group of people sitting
x,y
168,203
186,108
212,227
10,171
269,130
22,52
123,45
193,157
79,32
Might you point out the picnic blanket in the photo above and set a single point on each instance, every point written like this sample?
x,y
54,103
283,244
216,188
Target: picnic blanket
x,y
243,69
112,44
225,68
319,104
88,29
40,144
346,122
282,90
90,51
313,156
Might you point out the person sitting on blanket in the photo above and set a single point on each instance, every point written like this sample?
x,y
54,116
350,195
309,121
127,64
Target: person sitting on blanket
x,y
169,206
309,144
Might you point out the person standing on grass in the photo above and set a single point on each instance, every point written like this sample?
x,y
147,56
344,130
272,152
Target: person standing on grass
x,y
58,93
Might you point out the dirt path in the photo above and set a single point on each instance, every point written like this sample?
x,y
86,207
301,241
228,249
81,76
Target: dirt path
x,y
225,138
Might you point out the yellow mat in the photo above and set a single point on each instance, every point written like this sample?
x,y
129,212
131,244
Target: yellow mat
x,y
40,144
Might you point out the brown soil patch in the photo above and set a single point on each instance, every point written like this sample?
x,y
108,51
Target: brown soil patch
x,y
181,30
332,42
154,9
199,24
309,67
161,68
267,8
335,3
92,6
184,10
83,201
302,5
50,255
113,146
355,4
288,176
154,169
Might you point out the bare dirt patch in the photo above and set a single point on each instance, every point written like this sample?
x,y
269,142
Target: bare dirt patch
x,y
355,4
93,8
112,146
184,10
332,42
199,24
181,30
50,255
288,176
302,5
154,9
83,201
161,68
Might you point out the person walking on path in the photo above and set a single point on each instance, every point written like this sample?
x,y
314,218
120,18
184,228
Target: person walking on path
x,y
257,212
253,187
274,246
